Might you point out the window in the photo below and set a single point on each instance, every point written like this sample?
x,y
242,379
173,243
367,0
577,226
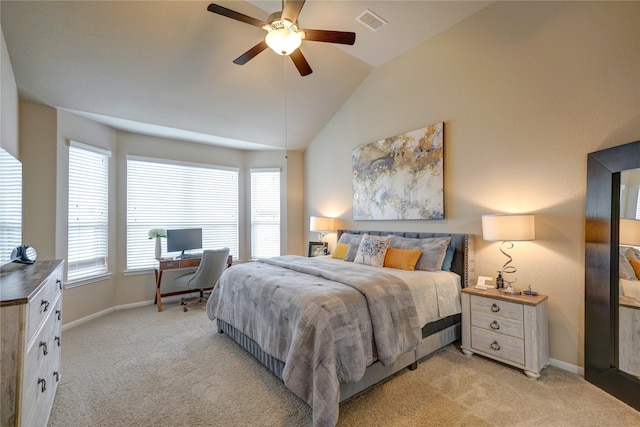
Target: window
x,y
168,195
265,213
10,205
88,223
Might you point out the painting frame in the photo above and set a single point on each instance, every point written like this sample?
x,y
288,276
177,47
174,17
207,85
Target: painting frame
x,y
318,249
400,177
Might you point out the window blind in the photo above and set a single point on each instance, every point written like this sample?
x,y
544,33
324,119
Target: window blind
x,y
265,213
88,213
170,195
10,204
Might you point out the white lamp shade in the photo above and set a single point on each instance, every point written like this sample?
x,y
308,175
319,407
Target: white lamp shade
x,y
320,223
508,227
629,232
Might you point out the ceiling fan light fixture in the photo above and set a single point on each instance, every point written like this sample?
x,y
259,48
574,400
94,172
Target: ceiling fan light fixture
x,y
283,41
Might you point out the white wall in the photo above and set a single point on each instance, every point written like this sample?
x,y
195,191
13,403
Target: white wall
x,y
526,90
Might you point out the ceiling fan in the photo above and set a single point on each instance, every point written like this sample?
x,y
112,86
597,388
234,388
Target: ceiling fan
x,y
284,35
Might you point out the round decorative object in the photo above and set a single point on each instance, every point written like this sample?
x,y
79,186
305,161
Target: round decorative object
x,y
24,254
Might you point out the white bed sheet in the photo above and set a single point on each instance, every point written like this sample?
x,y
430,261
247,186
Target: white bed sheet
x,y
436,293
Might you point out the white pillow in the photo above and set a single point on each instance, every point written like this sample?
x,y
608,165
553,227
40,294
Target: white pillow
x,y
626,271
630,288
372,250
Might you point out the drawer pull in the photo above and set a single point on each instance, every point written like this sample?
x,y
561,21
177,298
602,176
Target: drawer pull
x,y
43,384
59,283
57,340
44,348
495,325
495,346
495,308
58,314
56,374
46,305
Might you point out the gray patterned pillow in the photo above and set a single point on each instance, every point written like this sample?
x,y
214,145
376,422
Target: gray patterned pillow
x,y
372,250
349,238
433,250
351,252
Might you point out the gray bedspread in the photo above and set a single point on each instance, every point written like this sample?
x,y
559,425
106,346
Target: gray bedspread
x,y
327,325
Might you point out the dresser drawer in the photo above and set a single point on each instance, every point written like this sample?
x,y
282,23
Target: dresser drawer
x,y
498,324
497,345
42,304
497,308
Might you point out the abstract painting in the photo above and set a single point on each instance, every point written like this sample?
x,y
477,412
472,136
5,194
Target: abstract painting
x,y
400,178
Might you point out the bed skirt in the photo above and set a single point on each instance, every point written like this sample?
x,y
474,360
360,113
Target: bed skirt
x,y
435,336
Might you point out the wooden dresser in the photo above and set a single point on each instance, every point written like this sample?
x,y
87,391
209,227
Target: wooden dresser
x,y
509,328
31,324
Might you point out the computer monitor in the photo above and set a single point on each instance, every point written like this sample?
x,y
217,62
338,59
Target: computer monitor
x,y
184,239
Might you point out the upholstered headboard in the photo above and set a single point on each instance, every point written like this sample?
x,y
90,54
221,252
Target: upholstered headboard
x,y
463,258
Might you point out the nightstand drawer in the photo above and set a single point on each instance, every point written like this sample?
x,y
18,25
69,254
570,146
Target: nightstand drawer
x,y
496,307
498,324
497,345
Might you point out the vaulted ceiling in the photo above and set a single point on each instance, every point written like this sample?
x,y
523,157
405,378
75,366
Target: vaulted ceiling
x,y
165,67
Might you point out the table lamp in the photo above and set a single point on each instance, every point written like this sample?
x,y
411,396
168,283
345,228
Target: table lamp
x,y
629,232
321,224
508,228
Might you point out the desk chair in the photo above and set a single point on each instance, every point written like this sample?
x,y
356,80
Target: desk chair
x,y
209,271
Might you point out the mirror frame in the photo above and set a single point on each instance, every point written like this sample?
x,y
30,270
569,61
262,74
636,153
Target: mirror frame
x,y
602,270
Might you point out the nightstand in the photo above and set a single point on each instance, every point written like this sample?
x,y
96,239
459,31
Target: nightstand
x,y
509,328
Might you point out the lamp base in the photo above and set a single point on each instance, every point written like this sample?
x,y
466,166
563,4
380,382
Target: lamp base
x,y
509,291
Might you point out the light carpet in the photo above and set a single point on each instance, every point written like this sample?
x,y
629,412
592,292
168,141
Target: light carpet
x,y
138,367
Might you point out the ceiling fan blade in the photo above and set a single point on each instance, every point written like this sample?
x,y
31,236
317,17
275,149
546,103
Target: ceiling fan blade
x,y
328,36
251,53
301,63
292,10
235,15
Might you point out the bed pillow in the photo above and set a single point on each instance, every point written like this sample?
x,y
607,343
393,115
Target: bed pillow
x,y
630,288
448,258
631,253
404,259
351,252
433,250
625,270
340,251
372,250
350,238
636,267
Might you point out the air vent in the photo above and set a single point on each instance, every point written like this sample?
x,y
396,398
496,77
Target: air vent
x,y
371,20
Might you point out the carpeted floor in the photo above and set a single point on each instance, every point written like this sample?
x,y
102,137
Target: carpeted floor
x,y
138,367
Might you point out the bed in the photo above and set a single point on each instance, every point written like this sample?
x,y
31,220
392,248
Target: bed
x,y
330,329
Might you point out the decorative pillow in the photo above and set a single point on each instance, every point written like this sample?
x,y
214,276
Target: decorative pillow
x,y
626,271
433,250
630,288
404,259
372,250
448,258
631,253
351,252
350,238
340,251
636,267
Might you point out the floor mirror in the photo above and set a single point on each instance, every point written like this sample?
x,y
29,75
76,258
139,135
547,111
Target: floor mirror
x,y
605,172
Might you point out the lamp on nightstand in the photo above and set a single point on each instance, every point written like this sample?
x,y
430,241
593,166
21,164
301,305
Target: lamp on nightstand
x,y
321,224
629,232
508,228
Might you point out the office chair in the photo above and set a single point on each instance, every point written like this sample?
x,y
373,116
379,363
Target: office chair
x,y
205,277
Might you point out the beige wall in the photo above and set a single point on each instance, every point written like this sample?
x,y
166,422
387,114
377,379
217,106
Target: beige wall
x,y
526,90
8,102
45,132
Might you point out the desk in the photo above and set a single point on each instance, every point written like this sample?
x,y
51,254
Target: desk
x,y
176,264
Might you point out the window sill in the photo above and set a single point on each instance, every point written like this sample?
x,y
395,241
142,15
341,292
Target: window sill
x,y
88,280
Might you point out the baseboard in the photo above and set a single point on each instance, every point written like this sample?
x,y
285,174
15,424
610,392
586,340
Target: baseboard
x,y
103,313
567,366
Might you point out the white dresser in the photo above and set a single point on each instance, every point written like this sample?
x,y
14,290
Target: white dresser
x,y
509,328
31,313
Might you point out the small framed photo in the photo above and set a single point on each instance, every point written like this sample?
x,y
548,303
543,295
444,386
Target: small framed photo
x,y
318,248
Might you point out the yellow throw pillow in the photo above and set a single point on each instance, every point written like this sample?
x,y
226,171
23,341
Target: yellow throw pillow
x,y
636,266
340,251
404,259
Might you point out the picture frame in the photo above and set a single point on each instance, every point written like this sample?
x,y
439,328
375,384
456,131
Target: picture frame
x,y
318,249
